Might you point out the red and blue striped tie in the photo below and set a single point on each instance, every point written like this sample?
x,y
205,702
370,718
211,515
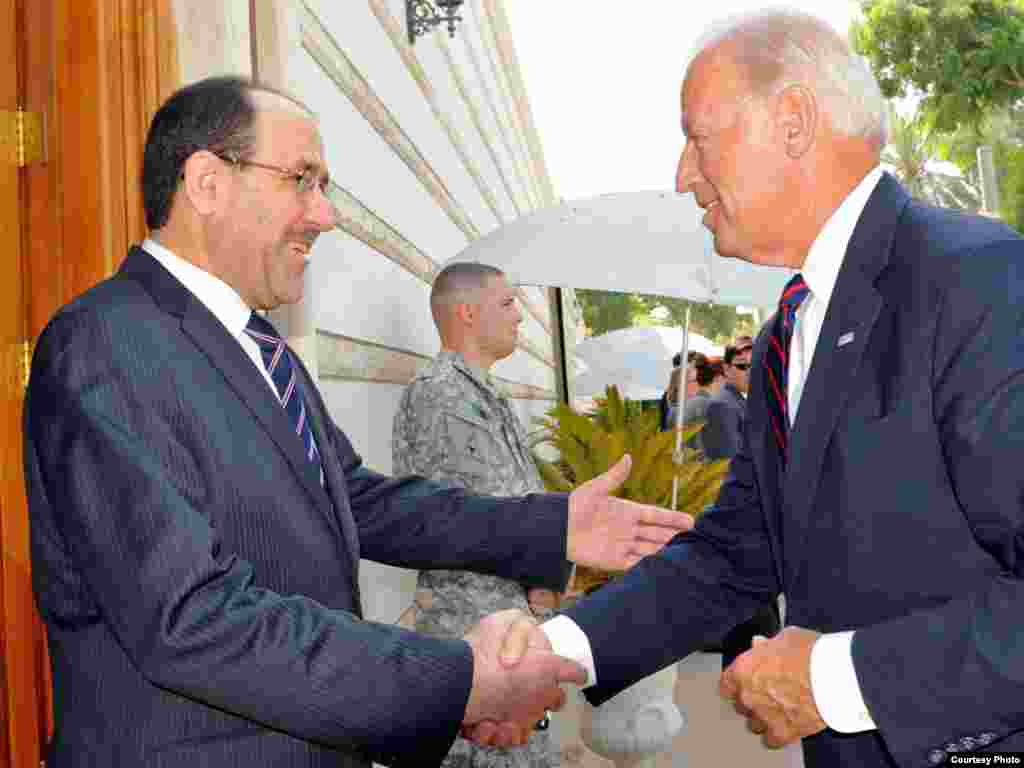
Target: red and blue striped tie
x,y
279,364
777,360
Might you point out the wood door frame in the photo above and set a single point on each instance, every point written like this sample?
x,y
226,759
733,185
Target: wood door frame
x,y
105,71
96,70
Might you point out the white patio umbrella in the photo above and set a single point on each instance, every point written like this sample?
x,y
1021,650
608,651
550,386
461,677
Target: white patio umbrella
x,y
644,242
636,360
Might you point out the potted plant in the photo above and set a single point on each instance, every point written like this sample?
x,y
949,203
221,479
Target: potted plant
x,y
589,444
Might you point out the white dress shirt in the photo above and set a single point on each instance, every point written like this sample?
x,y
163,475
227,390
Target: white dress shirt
x,y
834,683
218,297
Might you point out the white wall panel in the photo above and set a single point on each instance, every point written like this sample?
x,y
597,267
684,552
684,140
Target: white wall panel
x,y
365,165
436,65
362,294
485,92
364,40
364,411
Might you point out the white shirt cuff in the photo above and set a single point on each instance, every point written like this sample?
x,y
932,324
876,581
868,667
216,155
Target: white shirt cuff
x,y
834,685
568,640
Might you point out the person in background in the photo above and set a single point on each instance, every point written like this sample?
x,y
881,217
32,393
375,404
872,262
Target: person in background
x,y
724,413
697,403
670,397
455,425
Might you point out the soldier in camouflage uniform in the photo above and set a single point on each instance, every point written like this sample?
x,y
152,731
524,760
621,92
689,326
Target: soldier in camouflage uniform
x,y
454,425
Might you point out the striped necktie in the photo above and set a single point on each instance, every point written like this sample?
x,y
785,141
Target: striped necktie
x,y
279,364
777,360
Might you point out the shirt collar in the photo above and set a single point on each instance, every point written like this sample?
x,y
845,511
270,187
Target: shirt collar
x,y
821,269
219,297
479,375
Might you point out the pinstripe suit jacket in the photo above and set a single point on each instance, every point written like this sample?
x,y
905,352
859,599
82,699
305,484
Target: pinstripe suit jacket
x,y
198,584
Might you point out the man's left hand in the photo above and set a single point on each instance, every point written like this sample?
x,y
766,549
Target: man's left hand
x,y
770,685
614,534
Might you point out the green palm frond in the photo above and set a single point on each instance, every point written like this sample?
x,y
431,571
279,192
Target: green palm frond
x,y
590,444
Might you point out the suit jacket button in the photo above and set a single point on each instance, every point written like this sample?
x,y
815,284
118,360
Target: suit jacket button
x,y
936,757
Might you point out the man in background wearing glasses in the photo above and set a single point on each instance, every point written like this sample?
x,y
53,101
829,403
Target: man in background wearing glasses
x,y
727,409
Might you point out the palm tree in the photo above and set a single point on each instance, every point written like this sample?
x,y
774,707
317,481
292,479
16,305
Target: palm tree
x,y
913,155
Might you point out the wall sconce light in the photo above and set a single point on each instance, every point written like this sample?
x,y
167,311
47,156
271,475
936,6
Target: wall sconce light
x,y
423,15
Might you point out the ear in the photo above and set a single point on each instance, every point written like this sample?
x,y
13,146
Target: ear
x,y
204,181
466,313
797,119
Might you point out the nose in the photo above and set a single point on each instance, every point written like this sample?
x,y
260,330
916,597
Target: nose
x,y
322,212
686,172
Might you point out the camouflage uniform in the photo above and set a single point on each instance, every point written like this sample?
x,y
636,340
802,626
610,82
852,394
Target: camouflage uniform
x,y
453,425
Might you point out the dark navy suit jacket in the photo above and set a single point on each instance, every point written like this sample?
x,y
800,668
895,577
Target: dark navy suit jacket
x,y
900,514
199,585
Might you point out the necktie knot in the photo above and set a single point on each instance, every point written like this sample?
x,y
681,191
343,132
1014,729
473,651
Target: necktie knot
x,y
792,297
262,331
281,368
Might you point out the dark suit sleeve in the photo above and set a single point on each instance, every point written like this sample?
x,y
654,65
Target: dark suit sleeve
x,y
688,595
541,542
116,522
414,523
721,433
956,670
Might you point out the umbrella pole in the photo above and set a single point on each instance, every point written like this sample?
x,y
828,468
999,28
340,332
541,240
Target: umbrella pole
x,y
684,365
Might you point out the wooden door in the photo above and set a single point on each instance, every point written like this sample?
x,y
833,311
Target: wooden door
x,y
23,676
95,71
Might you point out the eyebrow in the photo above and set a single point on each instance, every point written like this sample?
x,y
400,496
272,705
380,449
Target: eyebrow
x,y
325,173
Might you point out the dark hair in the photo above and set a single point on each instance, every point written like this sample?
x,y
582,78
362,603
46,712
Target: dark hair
x,y
705,371
216,114
677,360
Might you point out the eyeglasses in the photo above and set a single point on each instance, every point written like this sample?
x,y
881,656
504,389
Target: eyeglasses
x,y
306,180
740,366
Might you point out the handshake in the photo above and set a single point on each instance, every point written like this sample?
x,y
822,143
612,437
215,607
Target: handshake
x,y
516,679
516,675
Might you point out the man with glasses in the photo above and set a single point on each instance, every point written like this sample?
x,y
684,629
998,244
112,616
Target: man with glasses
x,y
878,486
725,411
198,518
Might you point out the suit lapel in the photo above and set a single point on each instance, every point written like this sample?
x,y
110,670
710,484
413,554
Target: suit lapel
x,y
765,451
226,355
337,488
852,312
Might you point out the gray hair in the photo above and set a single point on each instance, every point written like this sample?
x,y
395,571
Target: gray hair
x,y
460,281
779,47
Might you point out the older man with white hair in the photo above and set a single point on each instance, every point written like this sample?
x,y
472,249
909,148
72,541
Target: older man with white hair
x,y
878,482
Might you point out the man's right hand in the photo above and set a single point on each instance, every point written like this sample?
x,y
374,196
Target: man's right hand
x,y
510,695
